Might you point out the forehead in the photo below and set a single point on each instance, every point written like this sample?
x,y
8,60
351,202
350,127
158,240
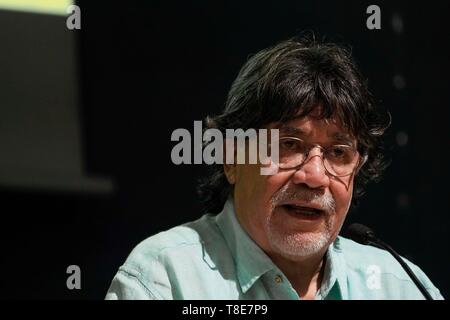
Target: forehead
x,y
315,128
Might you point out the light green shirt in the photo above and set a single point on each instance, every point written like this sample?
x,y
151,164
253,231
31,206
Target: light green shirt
x,y
214,258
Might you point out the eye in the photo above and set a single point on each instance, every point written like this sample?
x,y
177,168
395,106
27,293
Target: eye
x,y
289,144
338,151
341,153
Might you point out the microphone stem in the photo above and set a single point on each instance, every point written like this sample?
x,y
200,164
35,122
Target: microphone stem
x,y
408,270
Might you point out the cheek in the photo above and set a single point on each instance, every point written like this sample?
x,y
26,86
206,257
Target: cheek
x,y
343,197
253,194
269,186
248,183
248,191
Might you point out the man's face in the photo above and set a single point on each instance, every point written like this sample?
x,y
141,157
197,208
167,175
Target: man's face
x,y
277,210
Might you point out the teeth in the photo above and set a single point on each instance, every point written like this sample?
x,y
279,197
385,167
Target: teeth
x,y
304,210
309,213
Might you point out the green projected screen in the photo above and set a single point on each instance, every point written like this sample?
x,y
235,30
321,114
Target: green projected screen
x,y
56,7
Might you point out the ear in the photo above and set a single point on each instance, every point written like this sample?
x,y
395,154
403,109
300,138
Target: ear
x,y
230,172
229,152
361,163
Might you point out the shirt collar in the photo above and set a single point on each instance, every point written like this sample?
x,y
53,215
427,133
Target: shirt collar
x,y
337,274
251,261
334,281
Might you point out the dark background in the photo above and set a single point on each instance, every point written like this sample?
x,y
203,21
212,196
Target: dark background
x,y
143,69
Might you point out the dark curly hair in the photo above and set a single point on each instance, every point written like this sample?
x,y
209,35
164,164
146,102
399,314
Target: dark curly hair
x,y
290,80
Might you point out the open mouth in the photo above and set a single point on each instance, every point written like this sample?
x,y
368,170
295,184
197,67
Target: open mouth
x,y
303,212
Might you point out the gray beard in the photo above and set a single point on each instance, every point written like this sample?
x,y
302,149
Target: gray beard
x,y
296,244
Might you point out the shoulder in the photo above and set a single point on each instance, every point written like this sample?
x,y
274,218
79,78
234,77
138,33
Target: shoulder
x,y
189,237
364,262
360,257
157,265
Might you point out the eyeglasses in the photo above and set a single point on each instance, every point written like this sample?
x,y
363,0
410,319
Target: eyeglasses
x,y
339,160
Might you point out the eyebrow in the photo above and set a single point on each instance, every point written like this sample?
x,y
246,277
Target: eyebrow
x,y
338,136
291,130
344,137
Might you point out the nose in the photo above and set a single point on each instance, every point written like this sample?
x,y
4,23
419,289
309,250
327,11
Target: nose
x,y
312,172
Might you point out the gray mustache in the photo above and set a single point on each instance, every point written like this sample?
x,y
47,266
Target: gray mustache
x,y
302,193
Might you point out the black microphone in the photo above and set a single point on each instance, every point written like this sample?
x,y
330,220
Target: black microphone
x,y
364,235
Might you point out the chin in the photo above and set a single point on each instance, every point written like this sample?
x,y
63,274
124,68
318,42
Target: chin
x,y
299,245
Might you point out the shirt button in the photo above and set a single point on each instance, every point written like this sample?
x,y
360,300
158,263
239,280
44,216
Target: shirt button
x,y
278,279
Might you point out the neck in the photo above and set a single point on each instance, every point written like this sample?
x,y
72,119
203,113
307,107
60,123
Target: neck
x,y
304,274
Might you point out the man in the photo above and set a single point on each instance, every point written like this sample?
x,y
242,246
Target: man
x,y
276,236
